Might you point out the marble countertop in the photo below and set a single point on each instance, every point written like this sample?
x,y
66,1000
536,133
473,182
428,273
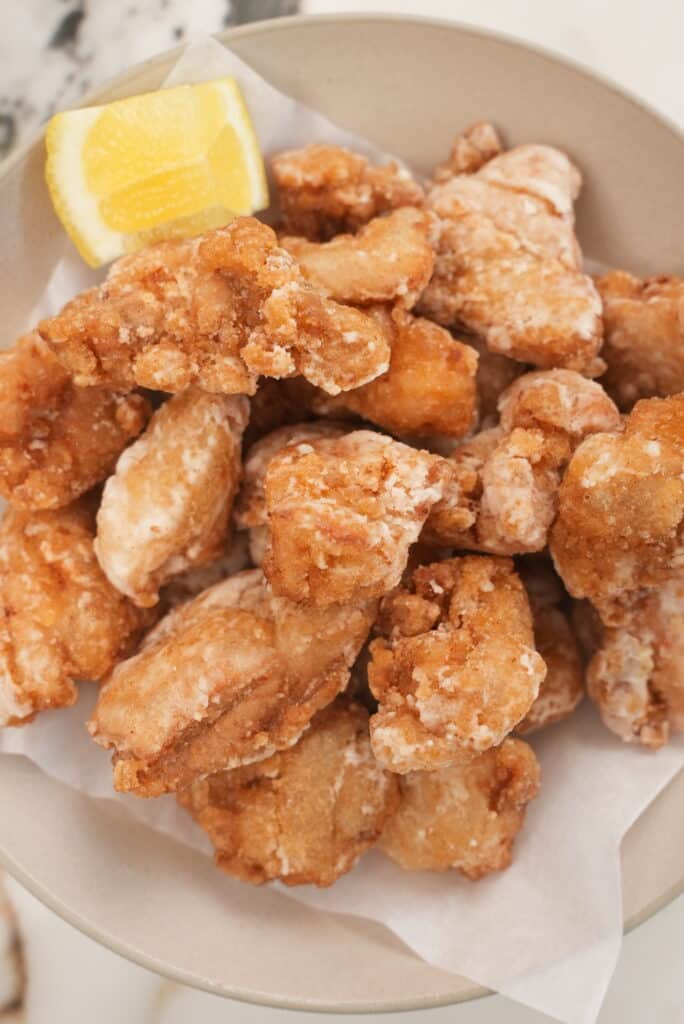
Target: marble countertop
x,y
51,53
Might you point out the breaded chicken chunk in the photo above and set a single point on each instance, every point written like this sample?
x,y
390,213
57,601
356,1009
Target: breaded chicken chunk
x,y
250,507
506,479
167,507
56,440
563,687
390,259
224,680
470,151
643,336
306,814
278,403
214,311
621,509
508,263
465,816
430,387
343,513
324,190
636,678
60,618
454,669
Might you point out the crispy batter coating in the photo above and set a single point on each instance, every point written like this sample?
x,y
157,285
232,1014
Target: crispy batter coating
x,y
324,190
508,261
621,509
563,687
56,440
60,618
305,815
430,387
167,508
643,336
636,678
343,514
465,816
390,259
454,669
470,151
504,482
224,680
215,311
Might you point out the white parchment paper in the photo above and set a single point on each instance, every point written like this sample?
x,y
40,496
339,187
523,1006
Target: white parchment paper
x,y
546,932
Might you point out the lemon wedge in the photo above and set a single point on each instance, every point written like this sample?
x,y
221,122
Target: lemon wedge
x,y
165,164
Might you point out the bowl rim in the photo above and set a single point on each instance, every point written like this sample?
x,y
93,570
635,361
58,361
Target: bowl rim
x,y
7,166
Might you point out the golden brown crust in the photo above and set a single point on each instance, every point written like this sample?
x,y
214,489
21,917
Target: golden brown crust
x,y
636,677
430,387
60,619
304,815
643,336
454,669
465,816
224,680
324,190
390,259
621,509
343,513
507,264
56,440
470,150
502,495
215,311
167,507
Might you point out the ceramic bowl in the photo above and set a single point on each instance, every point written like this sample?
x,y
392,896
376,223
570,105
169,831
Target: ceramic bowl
x,y
408,85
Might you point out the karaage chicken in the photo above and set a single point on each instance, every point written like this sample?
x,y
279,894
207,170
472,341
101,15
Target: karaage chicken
x,y
343,513
56,440
470,151
167,507
224,680
324,190
60,618
304,815
454,669
466,816
214,311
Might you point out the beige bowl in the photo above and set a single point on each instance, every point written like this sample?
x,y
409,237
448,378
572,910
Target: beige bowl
x,y
408,85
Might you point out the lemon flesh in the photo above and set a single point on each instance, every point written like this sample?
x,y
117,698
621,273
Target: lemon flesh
x,y
166,164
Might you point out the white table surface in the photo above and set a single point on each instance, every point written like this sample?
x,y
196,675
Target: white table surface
x,y
71,980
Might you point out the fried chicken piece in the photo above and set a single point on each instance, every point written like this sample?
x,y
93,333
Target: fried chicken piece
x,y
636,678
454,669
343,514
305,815
57,441
167,508
215,311
465,816
324,190
563,687
621,509
60,618
224,680
391,258
643,336
507,483
278,403
470,151
508,263
429,388
250,507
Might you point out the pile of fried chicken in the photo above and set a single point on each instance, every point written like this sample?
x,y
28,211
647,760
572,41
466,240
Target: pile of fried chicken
x,y
336,513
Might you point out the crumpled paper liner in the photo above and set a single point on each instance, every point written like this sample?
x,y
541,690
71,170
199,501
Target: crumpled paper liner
x,y
547,932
